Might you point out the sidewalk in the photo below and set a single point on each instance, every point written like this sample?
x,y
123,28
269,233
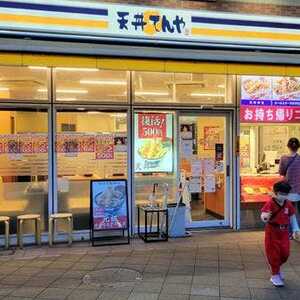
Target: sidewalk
x,y
211,265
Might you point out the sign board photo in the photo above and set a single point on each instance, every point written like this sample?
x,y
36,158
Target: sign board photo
x,y
109,219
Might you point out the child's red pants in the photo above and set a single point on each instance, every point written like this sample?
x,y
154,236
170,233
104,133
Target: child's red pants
x,y
277,246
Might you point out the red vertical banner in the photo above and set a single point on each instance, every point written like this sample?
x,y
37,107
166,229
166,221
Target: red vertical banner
x,y
152,125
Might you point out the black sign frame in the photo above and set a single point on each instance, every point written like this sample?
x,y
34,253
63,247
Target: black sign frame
x,y
112,239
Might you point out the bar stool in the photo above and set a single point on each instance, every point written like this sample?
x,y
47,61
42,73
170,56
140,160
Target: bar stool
x,y
5,220
37,220
52,222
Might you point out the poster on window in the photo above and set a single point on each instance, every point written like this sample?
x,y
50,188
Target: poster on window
x,y
153,142
104,146
211,137
109,204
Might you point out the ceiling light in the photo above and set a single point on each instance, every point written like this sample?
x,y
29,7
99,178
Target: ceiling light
x,y
112,82
37,68
66,99
93,112
72,91
152,94
206,95
3,89
42,90
221,86
77,69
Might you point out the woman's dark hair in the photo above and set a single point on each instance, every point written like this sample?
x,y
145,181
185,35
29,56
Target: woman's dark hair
x,y
293,144
281,187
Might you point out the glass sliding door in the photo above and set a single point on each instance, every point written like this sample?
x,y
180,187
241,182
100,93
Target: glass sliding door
x,y
155,153
204,159
24,164
89,145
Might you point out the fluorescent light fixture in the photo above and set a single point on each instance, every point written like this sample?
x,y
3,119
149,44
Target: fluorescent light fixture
x,y
3,89
152,94
77,69
37,68
206,95
66,99
93,112
103,82
42,90
71,91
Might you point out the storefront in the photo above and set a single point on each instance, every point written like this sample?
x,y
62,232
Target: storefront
x,y
66,120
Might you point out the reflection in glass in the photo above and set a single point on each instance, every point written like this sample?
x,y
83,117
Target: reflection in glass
x,y
182,88
24,83
24,165
89,145
82,84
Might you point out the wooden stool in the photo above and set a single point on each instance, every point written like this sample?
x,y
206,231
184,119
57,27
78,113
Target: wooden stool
x,y
20,221
6,222
52,222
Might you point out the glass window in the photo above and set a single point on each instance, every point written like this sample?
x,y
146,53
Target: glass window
x,y
24,83
89,145
24,164
183,88
84,84
269,117
154,156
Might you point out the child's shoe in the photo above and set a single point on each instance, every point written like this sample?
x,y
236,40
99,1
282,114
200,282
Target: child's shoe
x,y
277,281
281,276
296,236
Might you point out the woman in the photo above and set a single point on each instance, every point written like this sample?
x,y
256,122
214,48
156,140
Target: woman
x,y
289,167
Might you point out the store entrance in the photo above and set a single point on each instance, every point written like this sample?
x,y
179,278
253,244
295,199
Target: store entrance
x,y
204,161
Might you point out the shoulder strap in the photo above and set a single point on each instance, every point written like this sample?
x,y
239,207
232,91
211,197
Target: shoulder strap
x,y
290,163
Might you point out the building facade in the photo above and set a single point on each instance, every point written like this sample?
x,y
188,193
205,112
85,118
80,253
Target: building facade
x,y
150,93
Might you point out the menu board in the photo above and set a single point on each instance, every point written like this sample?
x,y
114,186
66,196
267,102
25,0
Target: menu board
x,y
268,99
153,142
109,204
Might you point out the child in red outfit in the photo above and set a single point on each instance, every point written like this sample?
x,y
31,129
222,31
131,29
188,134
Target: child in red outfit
x,y
277,214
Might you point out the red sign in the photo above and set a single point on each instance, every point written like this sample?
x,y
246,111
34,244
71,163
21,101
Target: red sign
x,y
152,126
269,114
105,146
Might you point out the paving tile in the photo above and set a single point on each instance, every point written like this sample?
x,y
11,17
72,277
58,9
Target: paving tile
x,y
84,266
185,279
29,292
206,279
74,274
204,298
198,290
258,283
265,294
113,295
154,277
147,287
55,293
66,283
289,294
177,289
6,289
235,292
39,282
173,297
61,265
14,280
16,298
143,296
84,295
